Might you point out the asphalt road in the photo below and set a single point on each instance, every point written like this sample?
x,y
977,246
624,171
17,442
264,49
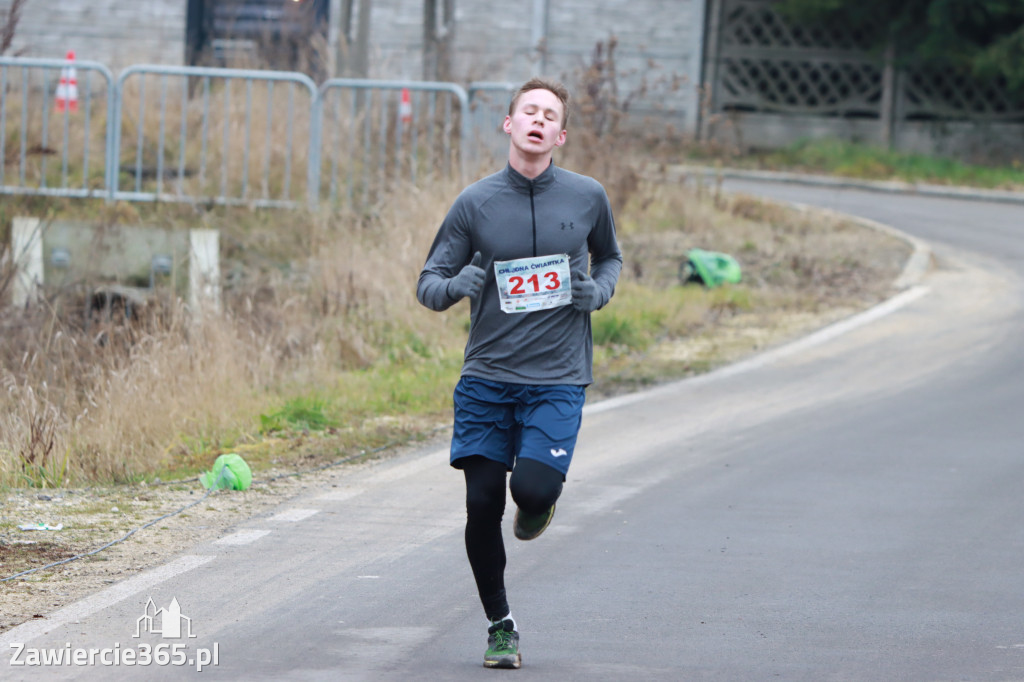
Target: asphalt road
x,y
846,508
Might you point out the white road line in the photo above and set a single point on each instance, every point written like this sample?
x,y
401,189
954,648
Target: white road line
x,y
849,324
101,600
293,515
242,537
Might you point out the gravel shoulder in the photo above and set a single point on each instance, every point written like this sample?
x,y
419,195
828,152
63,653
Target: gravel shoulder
x,y
148,524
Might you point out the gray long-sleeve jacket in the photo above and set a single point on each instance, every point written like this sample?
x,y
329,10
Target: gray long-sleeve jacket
x,y
506,216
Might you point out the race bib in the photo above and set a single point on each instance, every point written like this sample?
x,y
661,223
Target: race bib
x,y
530,284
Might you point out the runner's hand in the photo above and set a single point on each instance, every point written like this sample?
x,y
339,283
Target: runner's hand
x,y
468,282
585,296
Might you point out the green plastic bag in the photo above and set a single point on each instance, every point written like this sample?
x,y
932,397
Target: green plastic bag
x,y
710,268
229,471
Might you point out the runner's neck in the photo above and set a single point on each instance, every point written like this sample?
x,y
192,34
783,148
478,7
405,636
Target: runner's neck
x,y
528,167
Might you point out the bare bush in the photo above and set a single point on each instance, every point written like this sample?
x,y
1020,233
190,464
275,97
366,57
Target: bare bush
x,y
606,139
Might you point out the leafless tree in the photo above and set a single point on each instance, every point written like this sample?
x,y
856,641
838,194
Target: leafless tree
x,y
438,29
10,25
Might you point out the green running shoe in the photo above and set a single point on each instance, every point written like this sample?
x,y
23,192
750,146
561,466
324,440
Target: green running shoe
x,y
502,646
528,526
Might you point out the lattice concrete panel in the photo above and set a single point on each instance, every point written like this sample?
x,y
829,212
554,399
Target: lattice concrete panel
x,y
768,64
756,23
932,93
782,85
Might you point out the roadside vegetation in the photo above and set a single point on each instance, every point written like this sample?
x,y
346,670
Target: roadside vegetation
x,y
866,162
321,351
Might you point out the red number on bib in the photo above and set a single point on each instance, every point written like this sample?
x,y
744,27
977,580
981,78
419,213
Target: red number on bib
x,y
517,283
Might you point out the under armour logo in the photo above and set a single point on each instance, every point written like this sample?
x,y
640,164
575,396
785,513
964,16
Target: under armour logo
x,y
558,453
570,226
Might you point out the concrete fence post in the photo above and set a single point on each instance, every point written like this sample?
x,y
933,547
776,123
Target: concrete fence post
x,y
204,270
27,251
888,104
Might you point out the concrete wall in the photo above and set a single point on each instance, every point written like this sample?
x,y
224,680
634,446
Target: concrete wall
x,y
115,32
657,40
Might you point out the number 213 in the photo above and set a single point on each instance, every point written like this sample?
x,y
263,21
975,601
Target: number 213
x,y
519,288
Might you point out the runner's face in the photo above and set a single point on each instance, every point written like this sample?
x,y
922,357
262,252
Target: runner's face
x,y
535,125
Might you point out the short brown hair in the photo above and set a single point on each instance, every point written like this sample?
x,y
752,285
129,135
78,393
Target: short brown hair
x,y
557,89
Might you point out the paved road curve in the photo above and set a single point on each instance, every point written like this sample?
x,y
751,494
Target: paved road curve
x,y
850,510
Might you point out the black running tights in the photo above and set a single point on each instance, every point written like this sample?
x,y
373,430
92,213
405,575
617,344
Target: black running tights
x,y
535,487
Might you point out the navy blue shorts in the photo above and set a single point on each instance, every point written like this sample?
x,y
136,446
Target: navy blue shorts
x,y
503,421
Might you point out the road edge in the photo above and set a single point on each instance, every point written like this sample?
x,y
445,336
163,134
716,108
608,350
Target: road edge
x,y
907,286
883,186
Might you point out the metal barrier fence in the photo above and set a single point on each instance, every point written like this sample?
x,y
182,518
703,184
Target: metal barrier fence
x,y
488,106
379,133
235,136
51,148
229,136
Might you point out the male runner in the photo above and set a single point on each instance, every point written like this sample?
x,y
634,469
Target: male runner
x,y
518,244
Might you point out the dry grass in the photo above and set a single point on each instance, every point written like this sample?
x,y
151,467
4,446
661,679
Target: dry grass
x,y
782,250
323,304
330,294
319,311
92,404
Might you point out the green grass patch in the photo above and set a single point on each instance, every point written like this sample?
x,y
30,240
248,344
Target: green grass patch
x,y
848,159
50,475
413,388
303,413
642,315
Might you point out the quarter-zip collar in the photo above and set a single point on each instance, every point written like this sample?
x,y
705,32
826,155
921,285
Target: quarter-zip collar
x,y
524,185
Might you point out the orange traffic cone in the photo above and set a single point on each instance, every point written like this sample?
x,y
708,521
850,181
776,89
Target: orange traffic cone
x,y
66,96
405,107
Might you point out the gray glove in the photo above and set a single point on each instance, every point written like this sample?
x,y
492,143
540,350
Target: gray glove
x,y
586,297
468,282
